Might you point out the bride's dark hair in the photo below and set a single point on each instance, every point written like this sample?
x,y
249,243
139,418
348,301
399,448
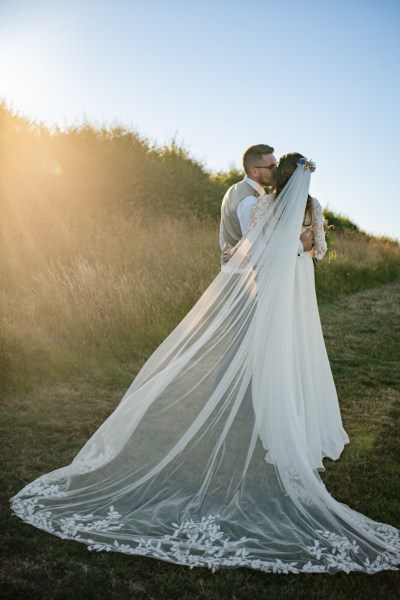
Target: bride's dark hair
x,y
286,167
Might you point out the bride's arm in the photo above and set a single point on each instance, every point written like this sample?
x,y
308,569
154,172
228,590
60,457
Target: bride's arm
x,y
320,246
259,209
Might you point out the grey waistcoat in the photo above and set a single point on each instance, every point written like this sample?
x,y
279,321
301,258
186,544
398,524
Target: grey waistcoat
x,y
230,225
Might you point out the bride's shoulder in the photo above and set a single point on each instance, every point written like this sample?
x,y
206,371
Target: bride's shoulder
x,y
262,205
266,199
316,203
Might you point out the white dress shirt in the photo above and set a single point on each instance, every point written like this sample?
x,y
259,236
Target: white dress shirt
x,y
245,207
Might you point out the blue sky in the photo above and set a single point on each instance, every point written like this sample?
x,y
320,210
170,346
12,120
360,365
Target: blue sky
x,y
318,77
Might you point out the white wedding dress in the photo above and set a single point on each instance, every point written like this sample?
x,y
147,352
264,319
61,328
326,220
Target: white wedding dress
x,y
212,456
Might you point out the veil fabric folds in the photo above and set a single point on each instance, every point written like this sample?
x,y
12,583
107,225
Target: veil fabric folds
x,y
212,456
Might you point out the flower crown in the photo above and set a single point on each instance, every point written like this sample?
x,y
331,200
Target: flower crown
x,y
307,163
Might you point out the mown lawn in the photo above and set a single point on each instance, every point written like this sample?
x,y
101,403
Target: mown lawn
x,y
43,428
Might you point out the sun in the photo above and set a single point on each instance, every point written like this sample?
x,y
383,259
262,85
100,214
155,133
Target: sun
x,y
30,74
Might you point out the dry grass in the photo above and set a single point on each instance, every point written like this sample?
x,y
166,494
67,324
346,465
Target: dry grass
x,y
105,288
356,262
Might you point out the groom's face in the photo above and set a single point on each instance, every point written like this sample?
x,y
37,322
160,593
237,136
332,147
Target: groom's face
x,y
264,170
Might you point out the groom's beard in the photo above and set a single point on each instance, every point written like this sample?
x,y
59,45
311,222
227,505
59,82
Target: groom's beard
x,y
265,183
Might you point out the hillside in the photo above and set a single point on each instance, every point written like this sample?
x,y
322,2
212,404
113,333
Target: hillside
x,y
91,254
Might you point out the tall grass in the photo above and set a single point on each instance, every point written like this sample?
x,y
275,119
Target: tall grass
x,y
356,262
114,290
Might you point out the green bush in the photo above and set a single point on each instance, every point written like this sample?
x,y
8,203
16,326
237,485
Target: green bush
x,y
339,222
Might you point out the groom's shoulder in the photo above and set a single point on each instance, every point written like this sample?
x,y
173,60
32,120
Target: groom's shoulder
x,y
240,186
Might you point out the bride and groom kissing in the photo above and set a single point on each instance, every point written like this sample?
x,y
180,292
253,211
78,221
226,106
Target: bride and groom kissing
x,y
260,167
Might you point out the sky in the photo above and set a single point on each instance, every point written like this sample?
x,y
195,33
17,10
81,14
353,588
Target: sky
x,y
320,77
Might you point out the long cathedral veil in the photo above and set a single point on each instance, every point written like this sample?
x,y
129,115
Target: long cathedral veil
x,y
206,460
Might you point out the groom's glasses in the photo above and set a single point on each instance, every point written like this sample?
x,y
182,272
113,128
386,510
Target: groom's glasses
x,y
271,167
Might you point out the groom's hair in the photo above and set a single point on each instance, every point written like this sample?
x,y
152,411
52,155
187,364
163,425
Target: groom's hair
x,y
253,154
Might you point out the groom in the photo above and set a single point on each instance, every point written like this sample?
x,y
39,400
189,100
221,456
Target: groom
x,y
259,164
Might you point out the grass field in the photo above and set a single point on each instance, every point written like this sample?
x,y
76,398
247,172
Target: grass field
x,y
44,425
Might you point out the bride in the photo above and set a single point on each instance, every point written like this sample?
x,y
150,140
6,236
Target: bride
x,y
212,456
